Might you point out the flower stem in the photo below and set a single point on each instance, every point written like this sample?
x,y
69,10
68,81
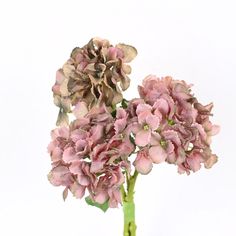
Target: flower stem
x,y
129,206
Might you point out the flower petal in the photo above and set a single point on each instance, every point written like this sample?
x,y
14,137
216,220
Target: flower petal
x,y
142,163
101,197
157,154
77,190
69,155
143,138
130,52
211,161
153,121
80,110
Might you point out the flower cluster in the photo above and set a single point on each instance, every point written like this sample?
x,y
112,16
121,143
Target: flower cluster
x,y
93,153
95,73
172,126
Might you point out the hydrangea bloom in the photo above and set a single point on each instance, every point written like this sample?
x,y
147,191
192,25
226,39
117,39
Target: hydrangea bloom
x,y
91,154
95,73
184,129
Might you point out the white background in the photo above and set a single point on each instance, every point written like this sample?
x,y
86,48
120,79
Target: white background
x,y
190,40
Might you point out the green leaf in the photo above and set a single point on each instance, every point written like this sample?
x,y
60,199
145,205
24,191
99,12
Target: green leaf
x,y
124,103
131,138
103,206
113,113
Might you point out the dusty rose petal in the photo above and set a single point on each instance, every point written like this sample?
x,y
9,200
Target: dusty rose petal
x,y
162,105
80,145
173,136
96,166
75,167
157,154
78,134
194,162
143,138
214,130
60,175
153,121
120,125
69,155
77,190
80,110
142,163
83,180
143,108
101,197
60,132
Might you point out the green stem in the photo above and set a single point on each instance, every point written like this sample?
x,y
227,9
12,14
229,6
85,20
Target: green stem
x,y
129,206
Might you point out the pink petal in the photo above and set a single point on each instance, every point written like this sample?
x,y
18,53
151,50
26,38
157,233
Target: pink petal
x,y
143,108
153,121
78,134
96,166
155,139
77,190
60,175
194,161
157,154
143,163
97,133
162,105
62,132
143,116
101,197
126,147
214,130
172,136
80,145
83,180
121,113
69,155
120,125
143,138
75,167
80,110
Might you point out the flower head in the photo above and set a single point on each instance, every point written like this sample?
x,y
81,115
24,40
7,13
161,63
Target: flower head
x,y
172,126
91,153
95,74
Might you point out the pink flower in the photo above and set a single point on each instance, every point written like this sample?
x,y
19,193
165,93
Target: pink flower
x,y
108,187
148,122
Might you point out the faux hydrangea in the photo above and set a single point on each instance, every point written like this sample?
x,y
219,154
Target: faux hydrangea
x,y
111,140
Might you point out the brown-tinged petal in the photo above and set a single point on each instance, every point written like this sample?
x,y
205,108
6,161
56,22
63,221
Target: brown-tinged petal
x,y
65,193
117,98
62,118
77,190
63,88
211,161
124,82
130,52
68,70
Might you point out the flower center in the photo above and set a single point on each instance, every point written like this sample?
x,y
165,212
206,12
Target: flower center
x,y
170,122
163,143
146,127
